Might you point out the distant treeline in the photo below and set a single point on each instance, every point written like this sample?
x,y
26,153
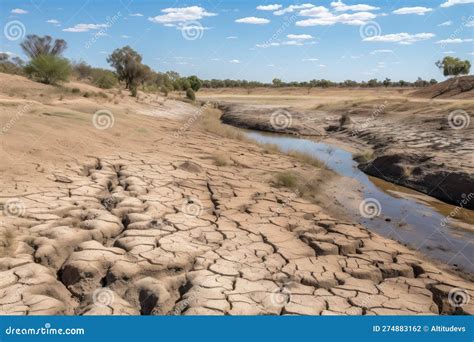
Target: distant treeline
x,y
277,83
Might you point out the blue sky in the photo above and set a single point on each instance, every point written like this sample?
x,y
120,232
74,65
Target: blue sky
x,y
256,40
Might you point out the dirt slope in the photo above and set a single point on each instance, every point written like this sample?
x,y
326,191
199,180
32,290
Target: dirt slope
x,y
453,88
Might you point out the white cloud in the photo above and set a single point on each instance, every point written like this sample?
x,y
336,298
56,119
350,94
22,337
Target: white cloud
x,y
84,27
136,15
446,23
232,37
181,14
454,41
273,7
299,36
450,3
469,23
326,18
234,61
381,51
310,60
53,21
413,10
339,6
292,8
449,52
125,36
315,11
400,38
294,42
18,11
252,20
322,65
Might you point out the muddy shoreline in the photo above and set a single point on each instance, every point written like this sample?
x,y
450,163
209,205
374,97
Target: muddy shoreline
x,y
431,158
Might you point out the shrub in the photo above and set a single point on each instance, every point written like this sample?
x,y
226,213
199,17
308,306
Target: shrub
x,y
87,94
104,79
190,94
75,90
134,91
48,69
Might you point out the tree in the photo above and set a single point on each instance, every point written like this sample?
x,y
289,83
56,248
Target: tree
x,y
453,66
190,94
128,65
48,69
387,82
277,82
35,46
195,82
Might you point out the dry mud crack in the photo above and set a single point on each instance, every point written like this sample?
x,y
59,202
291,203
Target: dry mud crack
x,y
153,234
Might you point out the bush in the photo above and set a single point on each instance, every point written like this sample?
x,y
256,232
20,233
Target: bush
x,y
134,91
75,90
190,94
48,69
104,79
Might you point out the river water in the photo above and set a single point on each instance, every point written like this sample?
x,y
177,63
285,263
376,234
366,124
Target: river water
x,y
405,215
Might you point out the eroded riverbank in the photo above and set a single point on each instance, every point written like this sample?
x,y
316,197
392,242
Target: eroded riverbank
x,y
411,144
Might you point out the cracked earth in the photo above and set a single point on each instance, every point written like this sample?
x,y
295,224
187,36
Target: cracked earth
x,y
159,234
160,228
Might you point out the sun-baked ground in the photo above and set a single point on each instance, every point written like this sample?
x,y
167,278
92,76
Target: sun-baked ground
x,y
153,215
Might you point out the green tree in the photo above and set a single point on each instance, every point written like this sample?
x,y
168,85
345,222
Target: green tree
x,y
195,82
48,69
453,66
128,66
277,82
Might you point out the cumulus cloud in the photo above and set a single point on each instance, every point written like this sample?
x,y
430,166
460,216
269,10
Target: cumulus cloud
x,y
400,38
136,15
450,3
273,7
181,15
84,27
310,60
232,37
299,36
292,8
446,23
234,61
454,41
469,23
293,42
253,21
18,11
413,10
327,18
339,6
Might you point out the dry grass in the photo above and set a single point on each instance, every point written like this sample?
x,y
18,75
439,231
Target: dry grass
x,y
303,184
365,156
211,122
220,159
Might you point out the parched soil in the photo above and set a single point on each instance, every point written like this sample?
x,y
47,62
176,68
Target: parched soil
x,y
426,146
140,220
454,88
